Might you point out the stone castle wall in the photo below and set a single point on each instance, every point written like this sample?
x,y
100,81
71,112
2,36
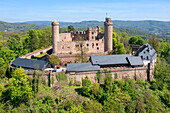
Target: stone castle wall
x,y
65,37
122,72
96,46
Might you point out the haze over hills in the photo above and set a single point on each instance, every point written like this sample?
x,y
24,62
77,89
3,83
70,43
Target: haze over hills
x,y
160,28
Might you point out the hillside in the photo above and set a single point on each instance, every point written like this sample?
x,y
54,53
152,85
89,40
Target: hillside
x,y
142,28
161,28
13,27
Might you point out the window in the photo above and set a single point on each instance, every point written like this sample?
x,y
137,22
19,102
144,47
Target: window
x,y
97,48
87,44
92,37
96,44
92,45
92,32
141,57
144,52
77,45
147,58
62,47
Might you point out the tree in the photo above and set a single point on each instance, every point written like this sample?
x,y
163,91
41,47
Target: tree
x,y
1,89
120,49
15,44
154,42
136,40
108,82
82,56
33,39
54,59
52,80
98,76
86,89
33,83
19,88
71,28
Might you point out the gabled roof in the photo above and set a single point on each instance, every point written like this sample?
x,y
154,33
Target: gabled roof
x,y
29,64
149,49
109,59
135,61
81,67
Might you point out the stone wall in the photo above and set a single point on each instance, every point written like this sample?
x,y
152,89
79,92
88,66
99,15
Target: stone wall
x,y
96,46
139,73
65,37
35,53
70,58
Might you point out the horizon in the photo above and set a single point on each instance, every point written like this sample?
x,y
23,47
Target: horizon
x,y
75,11
83,21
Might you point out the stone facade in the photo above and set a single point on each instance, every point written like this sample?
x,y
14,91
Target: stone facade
x,y
138,73
95,41
108,29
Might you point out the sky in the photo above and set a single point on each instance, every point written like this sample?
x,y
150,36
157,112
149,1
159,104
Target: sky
x,y
83,10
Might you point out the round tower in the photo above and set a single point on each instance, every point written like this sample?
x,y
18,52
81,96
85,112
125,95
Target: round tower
x,y
55,35
108,29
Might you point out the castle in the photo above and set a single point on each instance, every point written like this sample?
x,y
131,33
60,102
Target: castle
x,y
139,66
97,43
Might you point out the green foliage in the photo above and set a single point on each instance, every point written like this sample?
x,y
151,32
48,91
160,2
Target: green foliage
x,y
33,38
1,89
33,83
154,42
115,75
86,89
108,82
52,80
71,81
54,59
99,76
136,40
82,56
19,88
61,77
71,28
120,49
15,44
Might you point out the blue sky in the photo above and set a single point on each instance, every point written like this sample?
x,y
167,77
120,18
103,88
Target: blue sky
x,y
80,10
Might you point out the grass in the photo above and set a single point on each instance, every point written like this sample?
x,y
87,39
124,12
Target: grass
x,y
41,55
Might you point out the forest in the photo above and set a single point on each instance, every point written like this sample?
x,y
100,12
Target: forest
x,y
22,93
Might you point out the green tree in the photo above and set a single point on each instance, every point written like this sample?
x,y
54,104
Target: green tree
x,y
82,56
15,44
120,49
108,82
34,83
54,59
86,89
33,39
1,90
71,28
98,76
19,88
52,81
136,40
154,42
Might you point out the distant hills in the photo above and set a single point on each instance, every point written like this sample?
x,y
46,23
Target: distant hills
x,y
13,27
161,28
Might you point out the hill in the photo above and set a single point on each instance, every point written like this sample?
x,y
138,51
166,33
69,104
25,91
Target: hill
x,y
161,28
13,27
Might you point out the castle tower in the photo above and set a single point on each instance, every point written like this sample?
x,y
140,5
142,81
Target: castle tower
x,y
108,29
55,35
